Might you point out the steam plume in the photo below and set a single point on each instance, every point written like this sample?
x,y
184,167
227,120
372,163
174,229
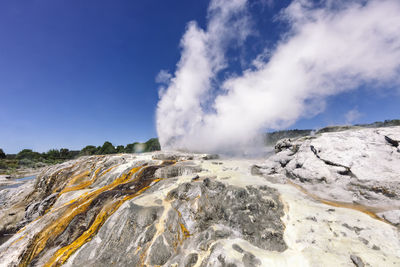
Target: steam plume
x,y
335,47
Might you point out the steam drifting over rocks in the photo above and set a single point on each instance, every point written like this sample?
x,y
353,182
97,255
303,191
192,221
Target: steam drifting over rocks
x,y
329,200
329,48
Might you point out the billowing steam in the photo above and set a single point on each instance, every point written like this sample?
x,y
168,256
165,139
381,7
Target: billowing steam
x,y
335,47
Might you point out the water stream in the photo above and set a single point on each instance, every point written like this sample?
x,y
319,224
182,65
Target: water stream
x,y
19,182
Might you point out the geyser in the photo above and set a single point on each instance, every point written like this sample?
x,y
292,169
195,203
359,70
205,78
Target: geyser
x,y
329,48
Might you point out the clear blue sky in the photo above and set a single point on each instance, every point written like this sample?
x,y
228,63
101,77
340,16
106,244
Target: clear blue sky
x,y
74,73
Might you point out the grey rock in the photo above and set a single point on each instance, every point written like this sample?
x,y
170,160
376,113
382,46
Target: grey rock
x,y
177,170
357,261
160,253
283,144
249,260
136,225
237,248
210,156
37,209
358,165
365,241
392,216
375,247
181,221
391,141
172,156
245,210
191,259
356,229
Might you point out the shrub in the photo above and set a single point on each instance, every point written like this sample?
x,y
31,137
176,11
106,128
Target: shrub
x,y
26,162
52,154
28,154
152,145
88,151
3,165
107,148
120,149
64,153
2,154
130,148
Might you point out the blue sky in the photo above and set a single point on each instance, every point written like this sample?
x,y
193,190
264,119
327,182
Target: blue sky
x,y
74,73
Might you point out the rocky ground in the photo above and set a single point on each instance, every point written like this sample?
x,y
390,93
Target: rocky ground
x,y
327,200
359,167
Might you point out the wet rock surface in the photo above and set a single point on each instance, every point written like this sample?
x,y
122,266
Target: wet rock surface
x,y
182,209
83,212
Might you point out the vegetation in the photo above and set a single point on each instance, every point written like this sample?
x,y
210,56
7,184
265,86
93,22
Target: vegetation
x,y
338,128
88,150
2,154
130,148
386,123
152,145
107,148
31,159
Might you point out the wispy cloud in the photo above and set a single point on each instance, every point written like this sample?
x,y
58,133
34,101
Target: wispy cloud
x,y
267,3
352,115
163,77
331,48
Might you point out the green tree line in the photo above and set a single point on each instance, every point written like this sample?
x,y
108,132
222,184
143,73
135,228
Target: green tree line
x,y
30,158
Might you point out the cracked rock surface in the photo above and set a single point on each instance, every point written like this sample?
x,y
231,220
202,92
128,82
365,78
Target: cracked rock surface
x,y
182,209
355,166
149,209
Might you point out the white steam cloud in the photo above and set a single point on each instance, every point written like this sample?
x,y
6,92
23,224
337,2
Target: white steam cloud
x,y
335,47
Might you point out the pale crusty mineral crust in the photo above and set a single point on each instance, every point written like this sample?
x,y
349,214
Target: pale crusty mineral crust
x,y
182,209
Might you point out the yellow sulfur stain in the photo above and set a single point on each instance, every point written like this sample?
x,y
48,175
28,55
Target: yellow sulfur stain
x,y
96,172
64,253
74,208
185,231
367,210
53,230
80,186
62,170
178,240
73,180
16,241
72,186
